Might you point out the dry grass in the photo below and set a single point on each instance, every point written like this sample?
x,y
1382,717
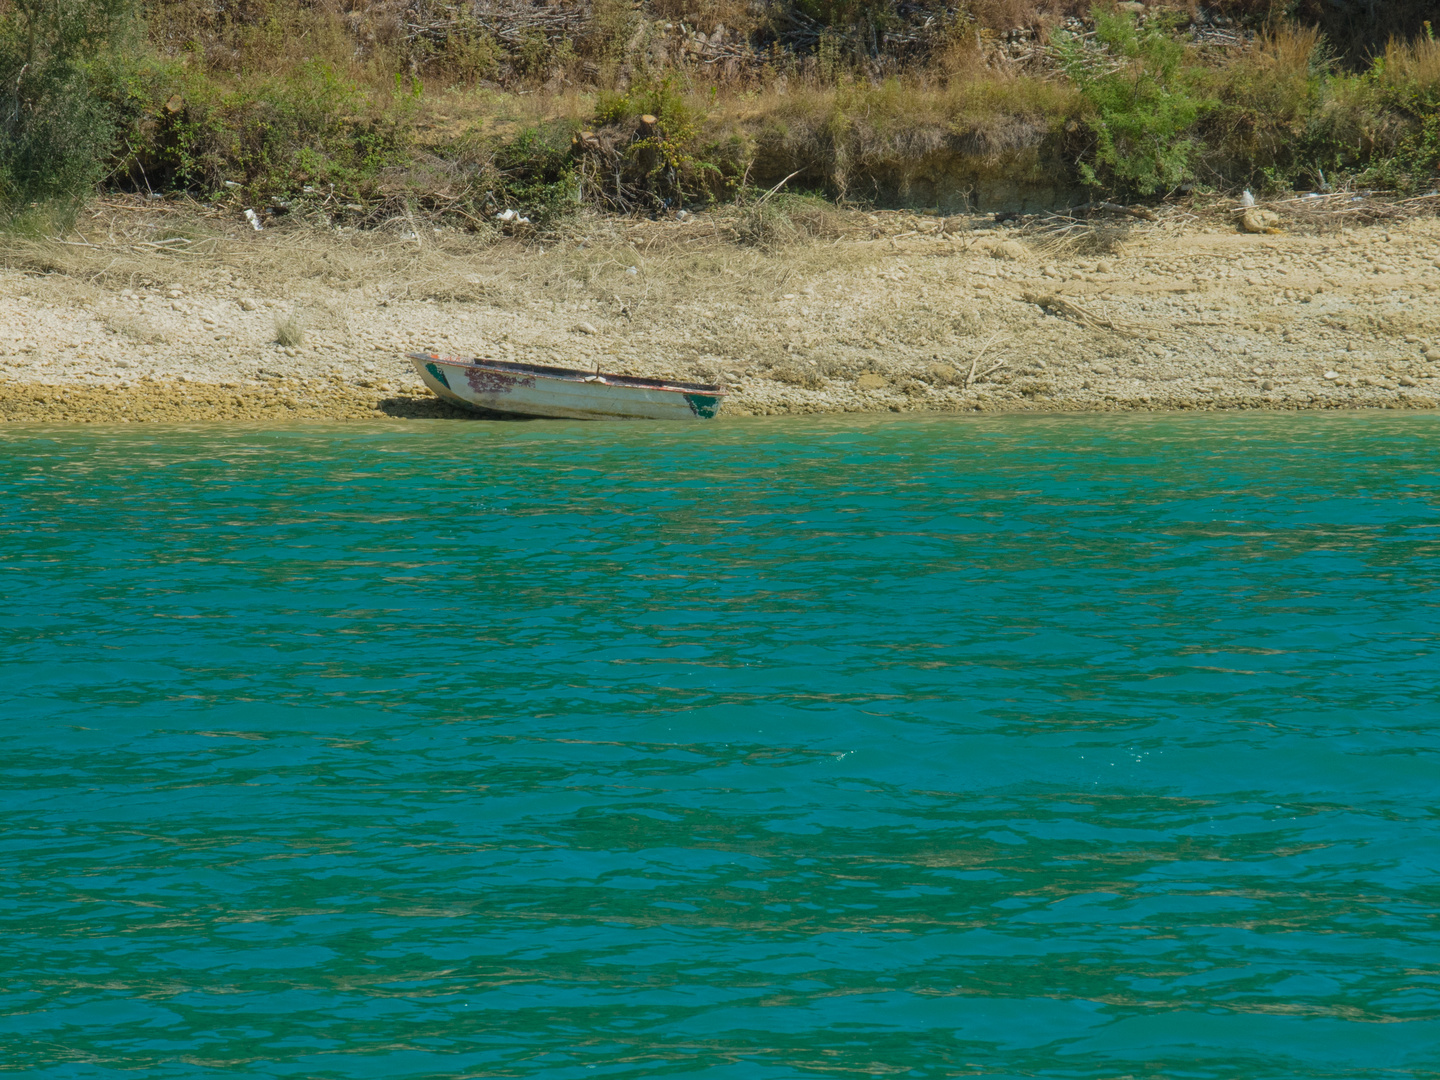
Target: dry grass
x,y
588,260
1412,64
839,137
1069,238
847,138
1289,49
137,330
289,331
272,37
906,116
1278,78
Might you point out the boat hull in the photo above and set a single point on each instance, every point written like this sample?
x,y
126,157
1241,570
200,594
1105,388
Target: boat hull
x,y
498,386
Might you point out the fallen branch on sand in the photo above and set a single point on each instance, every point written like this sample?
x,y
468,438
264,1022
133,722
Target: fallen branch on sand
x,y
1058,305
1143,212
971,375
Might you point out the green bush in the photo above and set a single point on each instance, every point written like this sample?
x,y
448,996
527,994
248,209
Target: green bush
x,y
55,133
536,170
1407,79
272,134
1141,106
1262,131
670,163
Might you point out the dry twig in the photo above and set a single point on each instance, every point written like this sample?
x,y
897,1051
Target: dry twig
x,y
1058,305
971,376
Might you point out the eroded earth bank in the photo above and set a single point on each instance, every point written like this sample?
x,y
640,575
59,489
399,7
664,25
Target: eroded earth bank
x,y
163,314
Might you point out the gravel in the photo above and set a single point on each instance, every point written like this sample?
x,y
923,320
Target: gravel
x,y
971,319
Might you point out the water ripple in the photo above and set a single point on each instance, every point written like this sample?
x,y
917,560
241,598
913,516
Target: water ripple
x,y
1008,747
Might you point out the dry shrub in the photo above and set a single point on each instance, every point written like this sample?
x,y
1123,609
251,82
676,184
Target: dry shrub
x,y
765,226
741,16
817,219
838,368
132,328
1102,240
811,373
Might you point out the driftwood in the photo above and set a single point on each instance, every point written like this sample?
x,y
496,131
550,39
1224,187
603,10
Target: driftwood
x,y
972,375
1356,207
1058,305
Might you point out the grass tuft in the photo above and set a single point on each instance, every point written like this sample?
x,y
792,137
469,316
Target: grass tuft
x,y
289,331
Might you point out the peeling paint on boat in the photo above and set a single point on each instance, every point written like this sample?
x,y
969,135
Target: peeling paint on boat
x,y
487,381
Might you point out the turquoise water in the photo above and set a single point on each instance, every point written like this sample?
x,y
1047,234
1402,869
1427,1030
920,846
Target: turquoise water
x,y
1004,747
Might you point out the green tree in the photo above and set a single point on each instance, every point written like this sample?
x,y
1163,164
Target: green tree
x,y
56,134
1141,108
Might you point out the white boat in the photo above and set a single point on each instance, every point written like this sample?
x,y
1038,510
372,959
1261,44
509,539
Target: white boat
x,y
502,386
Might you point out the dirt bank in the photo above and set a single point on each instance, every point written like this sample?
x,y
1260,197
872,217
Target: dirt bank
x,y
161,314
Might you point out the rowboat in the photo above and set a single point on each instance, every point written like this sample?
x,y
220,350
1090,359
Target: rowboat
x,y
502,386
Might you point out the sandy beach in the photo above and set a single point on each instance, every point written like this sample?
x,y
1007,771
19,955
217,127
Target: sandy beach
x,y
147,313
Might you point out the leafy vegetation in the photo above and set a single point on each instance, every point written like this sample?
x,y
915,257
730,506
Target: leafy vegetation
x,y
354,114
1142,106
667,159
56,133
1408,83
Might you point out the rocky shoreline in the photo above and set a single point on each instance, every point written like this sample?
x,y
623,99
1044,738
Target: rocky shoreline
x,y
897,312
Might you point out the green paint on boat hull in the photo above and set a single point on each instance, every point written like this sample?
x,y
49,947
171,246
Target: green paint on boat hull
x,y
434,369
703,406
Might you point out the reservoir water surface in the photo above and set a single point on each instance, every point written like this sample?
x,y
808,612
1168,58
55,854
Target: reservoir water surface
x,y
1073,747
